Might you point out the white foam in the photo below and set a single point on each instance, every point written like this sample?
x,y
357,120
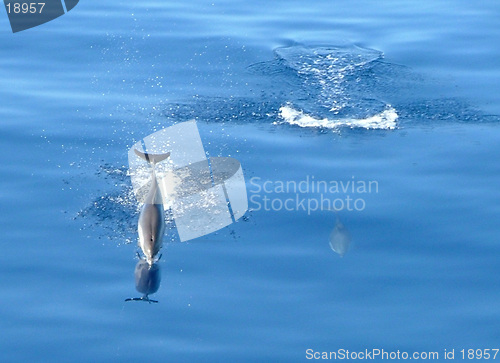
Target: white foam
x,y
383,120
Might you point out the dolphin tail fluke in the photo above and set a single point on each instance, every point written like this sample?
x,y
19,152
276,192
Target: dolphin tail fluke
x,y
144,298
151,158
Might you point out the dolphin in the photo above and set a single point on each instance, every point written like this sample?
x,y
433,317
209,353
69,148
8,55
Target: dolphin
x,y
340,238
151,224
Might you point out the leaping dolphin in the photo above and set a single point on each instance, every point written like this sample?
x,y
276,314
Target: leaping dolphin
x,y
151,224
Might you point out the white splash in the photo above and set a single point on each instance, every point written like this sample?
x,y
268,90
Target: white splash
x,y
384,120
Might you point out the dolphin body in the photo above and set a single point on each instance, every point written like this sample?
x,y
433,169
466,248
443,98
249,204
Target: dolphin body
x,y
151,224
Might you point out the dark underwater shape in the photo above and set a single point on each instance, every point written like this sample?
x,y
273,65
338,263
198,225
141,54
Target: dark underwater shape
x,y
147,277
147,280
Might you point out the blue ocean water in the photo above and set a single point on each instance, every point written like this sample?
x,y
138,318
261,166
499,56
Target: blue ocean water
x,y
404,94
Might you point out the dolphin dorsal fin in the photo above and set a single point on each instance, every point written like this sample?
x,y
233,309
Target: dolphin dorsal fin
x,y
151,158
